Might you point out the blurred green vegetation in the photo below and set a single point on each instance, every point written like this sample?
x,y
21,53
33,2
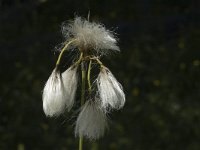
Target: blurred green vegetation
x,y
159,68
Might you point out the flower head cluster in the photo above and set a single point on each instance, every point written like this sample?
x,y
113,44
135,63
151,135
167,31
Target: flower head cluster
x,y
59,94
90,35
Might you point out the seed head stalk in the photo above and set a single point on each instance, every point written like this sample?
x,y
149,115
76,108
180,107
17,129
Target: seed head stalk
x,y
83,70
83,74
81,143
62,51
88,77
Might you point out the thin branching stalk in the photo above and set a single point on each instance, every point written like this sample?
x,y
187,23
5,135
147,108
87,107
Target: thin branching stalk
x,y
82,98
88,77
62,51
83,83
79,60
81,143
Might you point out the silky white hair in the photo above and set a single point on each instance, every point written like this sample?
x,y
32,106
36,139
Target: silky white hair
x,y
91,122
70,80
90,35
54,96
110,91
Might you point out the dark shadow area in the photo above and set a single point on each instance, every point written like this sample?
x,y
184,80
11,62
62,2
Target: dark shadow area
x,y
159,68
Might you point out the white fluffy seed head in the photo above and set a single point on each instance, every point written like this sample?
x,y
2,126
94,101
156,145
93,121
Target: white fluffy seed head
x,y
70,80
90,35
54,95
91,122
110,91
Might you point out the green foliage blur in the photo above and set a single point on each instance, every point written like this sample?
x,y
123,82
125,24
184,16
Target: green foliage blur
x,y
159,68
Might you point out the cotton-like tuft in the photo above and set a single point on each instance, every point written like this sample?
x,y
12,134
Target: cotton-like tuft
x,y
70,80
90,35
54,96
110,90
91,122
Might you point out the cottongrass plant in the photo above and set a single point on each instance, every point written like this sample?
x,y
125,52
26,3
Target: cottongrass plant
x,y
113,97
91,40
91,122
54,95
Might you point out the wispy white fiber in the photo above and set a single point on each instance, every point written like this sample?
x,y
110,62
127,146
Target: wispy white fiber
x,y
54,97
70,80
90,35
110,90
91,122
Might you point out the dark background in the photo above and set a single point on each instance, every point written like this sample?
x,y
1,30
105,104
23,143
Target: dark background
x,y
159,68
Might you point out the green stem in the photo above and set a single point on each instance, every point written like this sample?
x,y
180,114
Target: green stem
x,y
88,77
98,61
79,60
83,83
62,51
82,99
81,143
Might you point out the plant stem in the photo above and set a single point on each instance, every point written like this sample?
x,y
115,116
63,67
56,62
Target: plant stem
x,y
98,61
79,60
88,77
83,83
62,51
82,99
81,143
